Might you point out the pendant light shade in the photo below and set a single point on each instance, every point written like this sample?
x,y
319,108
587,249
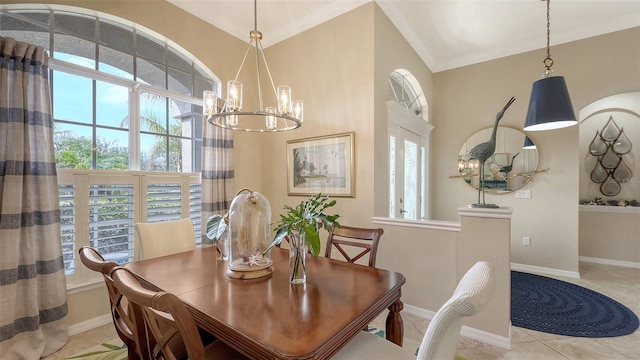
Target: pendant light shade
x,y
550,105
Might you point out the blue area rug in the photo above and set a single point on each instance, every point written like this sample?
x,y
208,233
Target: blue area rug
x,y
558,307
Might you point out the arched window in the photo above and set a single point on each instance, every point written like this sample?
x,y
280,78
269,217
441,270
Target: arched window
x,y
409,133
128,124
402,89
96,62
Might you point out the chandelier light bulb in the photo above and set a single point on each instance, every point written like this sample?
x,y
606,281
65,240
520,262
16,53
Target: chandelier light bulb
x,y
232,120
271,120
284,100
210,100
298,110
234,95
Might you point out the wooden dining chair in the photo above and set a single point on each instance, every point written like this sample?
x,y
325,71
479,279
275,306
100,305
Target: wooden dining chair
x,y
129,328
366,240
172,332
473,293
163,238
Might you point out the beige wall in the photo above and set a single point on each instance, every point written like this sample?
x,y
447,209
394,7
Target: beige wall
x,y
467,99
610,234
329,67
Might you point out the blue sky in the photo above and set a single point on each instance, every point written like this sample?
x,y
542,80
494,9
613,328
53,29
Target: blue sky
x,y
73,101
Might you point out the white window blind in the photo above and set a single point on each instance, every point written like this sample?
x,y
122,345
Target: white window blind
x,y
99,209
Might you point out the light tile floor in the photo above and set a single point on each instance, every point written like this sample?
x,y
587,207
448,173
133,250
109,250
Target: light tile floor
x,y
622,284
619,283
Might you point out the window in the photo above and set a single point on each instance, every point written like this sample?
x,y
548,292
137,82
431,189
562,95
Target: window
x,y
127,128
408,148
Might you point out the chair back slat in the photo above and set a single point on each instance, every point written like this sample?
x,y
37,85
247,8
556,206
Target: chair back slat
x,y
363,239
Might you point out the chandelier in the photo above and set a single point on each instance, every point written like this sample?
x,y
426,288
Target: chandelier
x,y
228,112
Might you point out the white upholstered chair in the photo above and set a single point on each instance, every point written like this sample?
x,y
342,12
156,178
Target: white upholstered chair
x,y
164,238
473,292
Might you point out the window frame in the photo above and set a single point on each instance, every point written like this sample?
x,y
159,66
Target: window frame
x,y
81,179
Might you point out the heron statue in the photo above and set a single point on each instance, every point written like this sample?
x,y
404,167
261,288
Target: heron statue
x,y
507,168
482,152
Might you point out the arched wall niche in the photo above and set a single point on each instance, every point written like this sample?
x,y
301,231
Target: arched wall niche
x,y
624,110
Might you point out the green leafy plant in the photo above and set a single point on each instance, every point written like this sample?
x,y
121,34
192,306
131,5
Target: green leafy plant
x,y
308,217
216,225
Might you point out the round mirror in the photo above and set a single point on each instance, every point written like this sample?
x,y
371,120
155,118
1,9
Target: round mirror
x,y
513,163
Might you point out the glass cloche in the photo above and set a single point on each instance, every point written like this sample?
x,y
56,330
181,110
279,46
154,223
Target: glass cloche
x,y
250,236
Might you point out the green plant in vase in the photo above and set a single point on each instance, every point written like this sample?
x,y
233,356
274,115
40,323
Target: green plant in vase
x,y
216,226
302,224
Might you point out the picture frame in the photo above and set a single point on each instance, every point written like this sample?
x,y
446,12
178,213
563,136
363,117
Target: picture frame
x,y
323,164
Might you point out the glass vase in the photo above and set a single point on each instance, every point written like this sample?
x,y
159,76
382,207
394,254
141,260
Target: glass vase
x,y
297,259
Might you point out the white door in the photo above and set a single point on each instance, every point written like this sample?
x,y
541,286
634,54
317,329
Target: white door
x,y
406,176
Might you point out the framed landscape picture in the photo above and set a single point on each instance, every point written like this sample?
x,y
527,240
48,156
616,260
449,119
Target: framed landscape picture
x,y
321,164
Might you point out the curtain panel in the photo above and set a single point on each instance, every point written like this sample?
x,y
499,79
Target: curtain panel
x,y
33,295
217,173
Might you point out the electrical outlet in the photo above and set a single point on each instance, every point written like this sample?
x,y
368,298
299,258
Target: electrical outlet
x,y
526,241
523,194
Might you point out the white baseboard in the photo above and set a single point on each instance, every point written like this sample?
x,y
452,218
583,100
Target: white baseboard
x,y
629,264
545,271
90,324
419,312
487,337
469,332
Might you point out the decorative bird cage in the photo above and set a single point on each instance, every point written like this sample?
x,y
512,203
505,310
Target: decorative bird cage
x,y
250,236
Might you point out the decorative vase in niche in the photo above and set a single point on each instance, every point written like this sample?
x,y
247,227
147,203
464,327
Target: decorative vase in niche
x,y
297,258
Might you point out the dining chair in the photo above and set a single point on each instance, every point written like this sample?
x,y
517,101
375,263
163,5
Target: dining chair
x,y
344,237
172,331
472,294
163,238
123,316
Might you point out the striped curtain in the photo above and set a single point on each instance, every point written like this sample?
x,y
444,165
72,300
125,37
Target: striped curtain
x,y
217,173
33,295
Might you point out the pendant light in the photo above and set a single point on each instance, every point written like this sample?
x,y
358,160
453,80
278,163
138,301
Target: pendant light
x,y
550,106
285,114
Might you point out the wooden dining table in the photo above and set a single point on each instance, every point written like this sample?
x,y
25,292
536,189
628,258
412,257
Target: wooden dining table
x,y
269,318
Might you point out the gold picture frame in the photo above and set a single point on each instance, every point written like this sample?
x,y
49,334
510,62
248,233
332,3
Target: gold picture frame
x,y
323,164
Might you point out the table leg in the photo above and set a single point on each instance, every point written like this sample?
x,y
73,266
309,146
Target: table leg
x,y
395,327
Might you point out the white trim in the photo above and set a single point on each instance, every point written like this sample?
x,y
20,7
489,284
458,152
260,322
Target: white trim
x,y
419,312
500,213
610,209
487,337
90,324
468,332
86,286
75,69
629,264
399,118
545,271
419,224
